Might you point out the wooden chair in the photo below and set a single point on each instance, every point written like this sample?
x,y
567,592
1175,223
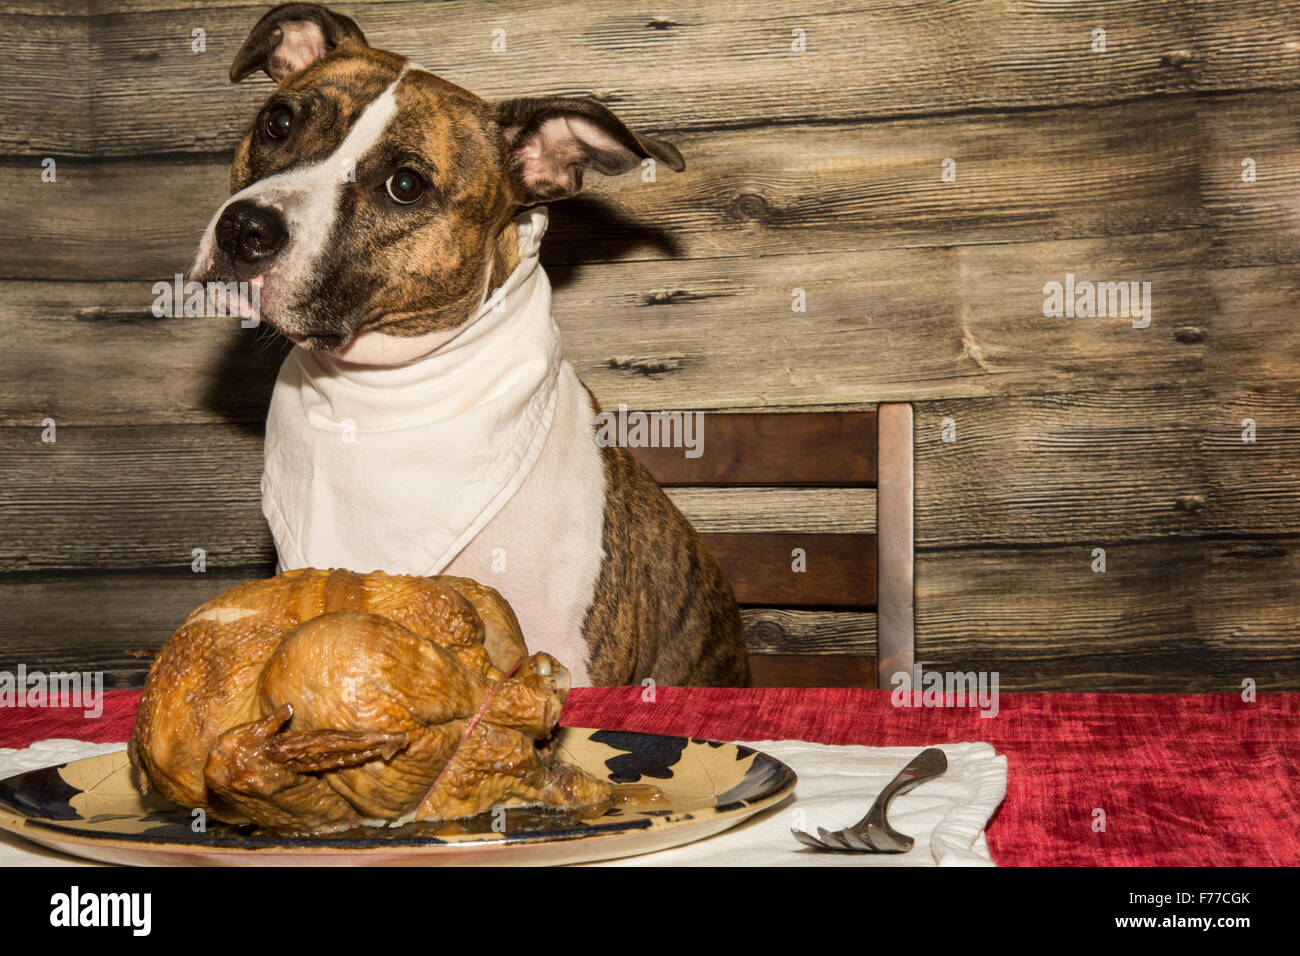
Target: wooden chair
x,y
844,571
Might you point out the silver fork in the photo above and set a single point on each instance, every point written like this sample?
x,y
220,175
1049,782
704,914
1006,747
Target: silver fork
x,y
873,834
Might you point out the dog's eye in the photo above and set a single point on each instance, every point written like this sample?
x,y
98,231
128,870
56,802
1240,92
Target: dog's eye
x,y
405,186
278,122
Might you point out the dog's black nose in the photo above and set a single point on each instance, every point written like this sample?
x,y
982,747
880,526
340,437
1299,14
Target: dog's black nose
x,y
250,233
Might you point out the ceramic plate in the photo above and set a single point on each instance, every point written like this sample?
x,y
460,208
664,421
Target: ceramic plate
x,y
88,808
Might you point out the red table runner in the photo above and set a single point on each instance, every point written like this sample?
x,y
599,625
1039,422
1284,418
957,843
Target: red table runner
x,y
1182,779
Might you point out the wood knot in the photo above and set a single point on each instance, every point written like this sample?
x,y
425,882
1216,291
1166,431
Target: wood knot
x,y
748,206
1192,504
646,365
1177,58
1189,333
670,297
661,23
765,632
98,313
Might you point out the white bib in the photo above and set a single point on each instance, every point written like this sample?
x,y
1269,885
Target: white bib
x,y
397,468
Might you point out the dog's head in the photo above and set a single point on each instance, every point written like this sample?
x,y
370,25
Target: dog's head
x,y
371,196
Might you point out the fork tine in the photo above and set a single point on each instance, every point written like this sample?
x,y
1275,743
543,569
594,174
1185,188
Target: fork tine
x,y
885,839
856,842
833,839
807,839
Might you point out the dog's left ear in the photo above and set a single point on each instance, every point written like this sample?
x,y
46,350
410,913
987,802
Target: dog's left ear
x,y
551,141
290,38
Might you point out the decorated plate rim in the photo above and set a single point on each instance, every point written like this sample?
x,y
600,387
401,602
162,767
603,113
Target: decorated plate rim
x,y
15,820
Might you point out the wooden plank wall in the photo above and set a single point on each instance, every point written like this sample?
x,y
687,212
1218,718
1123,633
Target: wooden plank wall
x,y
818,170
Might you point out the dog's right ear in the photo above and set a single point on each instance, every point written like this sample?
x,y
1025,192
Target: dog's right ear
x,y
551,141
292,37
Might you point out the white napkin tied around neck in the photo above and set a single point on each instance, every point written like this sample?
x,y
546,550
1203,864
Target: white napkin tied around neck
x,y
397,468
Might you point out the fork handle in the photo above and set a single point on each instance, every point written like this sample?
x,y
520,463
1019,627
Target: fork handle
x,y
928,764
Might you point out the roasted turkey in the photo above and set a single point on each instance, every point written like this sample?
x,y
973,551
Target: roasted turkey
x,y
316,701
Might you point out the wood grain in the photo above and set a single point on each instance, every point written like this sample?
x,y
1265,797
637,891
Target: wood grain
x,y
102,622
141,496
1044,175
1252,336
1097,466
681,66
1253,485
701,334
1108,466
46,84
1165,616
1255,222
803,632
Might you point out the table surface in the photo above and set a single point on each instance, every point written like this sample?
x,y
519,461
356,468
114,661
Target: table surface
x,y
1094,779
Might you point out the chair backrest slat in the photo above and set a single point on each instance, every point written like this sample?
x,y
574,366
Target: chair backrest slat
x,y
838,570
812,670
770,448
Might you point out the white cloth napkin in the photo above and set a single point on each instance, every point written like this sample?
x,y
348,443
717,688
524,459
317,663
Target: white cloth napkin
x,y
836,786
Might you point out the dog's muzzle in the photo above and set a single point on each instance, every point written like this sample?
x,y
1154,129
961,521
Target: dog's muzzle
x,y
250,233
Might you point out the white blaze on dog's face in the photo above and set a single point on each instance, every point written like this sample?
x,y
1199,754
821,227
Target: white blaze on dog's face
x,y
363,199
371,196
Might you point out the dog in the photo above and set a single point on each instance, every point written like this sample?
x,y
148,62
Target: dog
x,y
387,222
